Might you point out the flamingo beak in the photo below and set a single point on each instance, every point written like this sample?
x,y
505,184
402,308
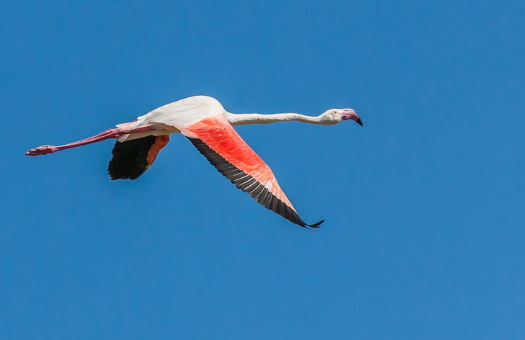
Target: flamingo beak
x,y
349,114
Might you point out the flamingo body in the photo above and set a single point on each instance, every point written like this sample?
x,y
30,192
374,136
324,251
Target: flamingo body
x,y
183,113
208,126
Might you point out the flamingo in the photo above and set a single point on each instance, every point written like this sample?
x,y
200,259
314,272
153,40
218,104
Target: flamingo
x,y
209,127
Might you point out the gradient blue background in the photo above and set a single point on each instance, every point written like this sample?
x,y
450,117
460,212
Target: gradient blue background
x,y
424,233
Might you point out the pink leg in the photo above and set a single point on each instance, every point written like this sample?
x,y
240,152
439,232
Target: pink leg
x,y
111,133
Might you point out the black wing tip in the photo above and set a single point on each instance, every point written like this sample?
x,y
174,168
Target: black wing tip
x,y
129,158
118,177
116,174
315,225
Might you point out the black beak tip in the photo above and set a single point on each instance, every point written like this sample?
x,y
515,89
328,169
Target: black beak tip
x,y
359,121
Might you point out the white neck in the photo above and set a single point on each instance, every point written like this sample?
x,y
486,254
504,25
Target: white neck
x,y
256,118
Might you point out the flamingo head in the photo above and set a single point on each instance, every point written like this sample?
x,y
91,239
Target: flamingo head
x,y
334,116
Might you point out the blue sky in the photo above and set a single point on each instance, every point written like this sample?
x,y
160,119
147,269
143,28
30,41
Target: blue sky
x,y
424,227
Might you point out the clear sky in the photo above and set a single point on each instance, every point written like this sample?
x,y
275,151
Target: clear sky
x,y
424,233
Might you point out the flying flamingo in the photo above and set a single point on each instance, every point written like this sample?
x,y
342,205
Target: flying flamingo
x,y
209,127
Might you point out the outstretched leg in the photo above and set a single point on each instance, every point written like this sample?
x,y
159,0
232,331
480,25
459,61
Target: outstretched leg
x,y
111,133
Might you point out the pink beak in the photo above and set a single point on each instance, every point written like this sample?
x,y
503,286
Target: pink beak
x,y
350,114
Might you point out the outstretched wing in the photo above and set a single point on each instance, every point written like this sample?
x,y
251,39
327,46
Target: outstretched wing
x,y
132,158
218,141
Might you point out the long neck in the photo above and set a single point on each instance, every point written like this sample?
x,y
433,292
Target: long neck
x,y
257,118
